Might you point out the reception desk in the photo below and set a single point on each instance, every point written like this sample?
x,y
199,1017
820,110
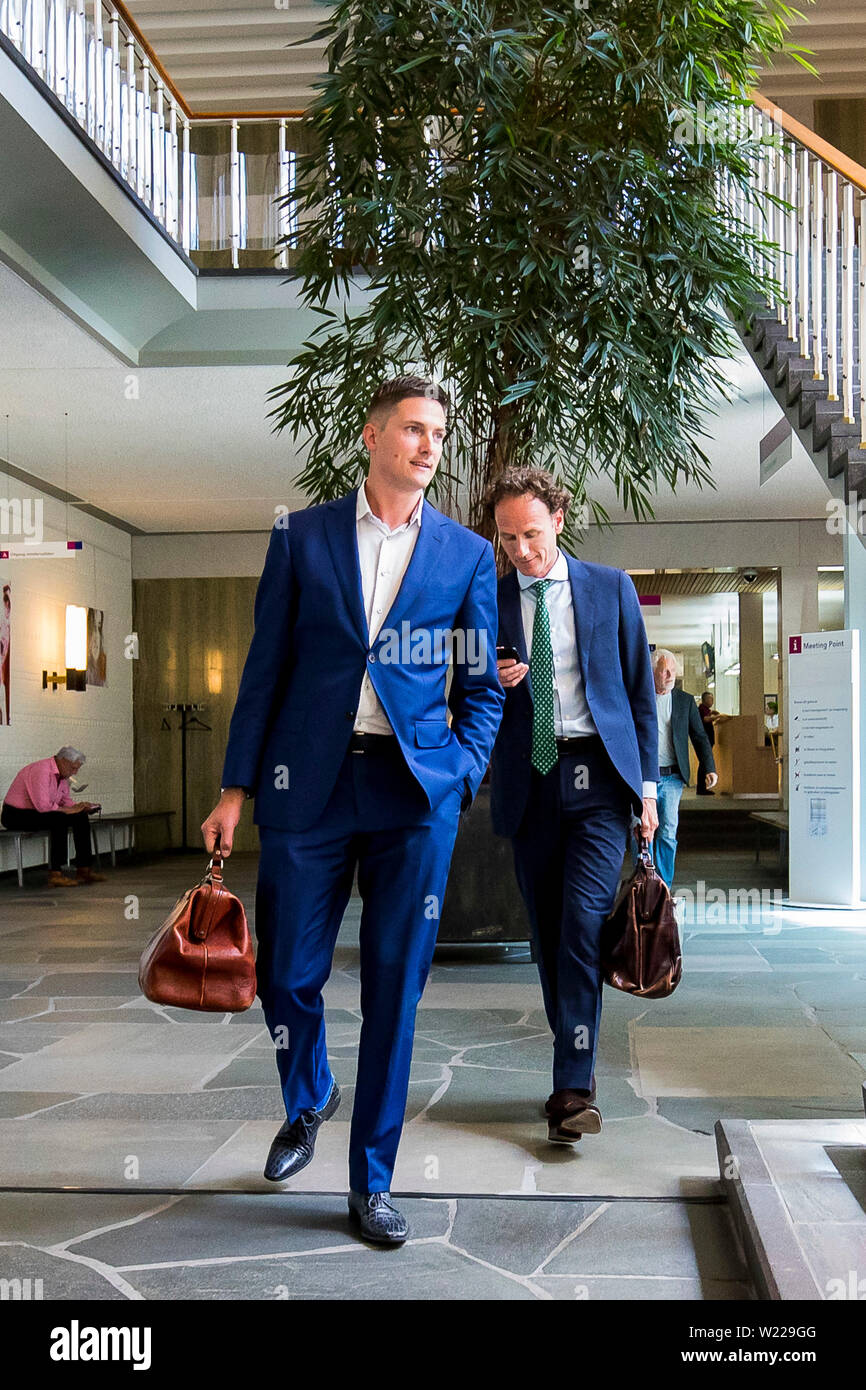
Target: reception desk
x,y
743,764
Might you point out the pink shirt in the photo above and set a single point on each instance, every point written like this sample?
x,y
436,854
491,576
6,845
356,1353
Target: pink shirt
x,y
39,787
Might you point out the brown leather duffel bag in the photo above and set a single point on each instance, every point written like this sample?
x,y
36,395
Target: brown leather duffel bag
x,y
640,944
202,955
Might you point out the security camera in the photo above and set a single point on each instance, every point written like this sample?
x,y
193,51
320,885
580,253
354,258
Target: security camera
x,y
750,576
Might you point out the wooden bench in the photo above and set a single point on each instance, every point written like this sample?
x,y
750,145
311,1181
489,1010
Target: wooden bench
x,y
779,820
113,821
123,820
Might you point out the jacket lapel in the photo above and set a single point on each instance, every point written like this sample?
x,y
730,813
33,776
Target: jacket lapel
x,y
583,600
342,536
422,564
511,624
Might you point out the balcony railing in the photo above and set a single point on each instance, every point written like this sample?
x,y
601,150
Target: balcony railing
x,y
211,184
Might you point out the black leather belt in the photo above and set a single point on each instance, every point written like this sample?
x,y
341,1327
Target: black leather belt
x,y
577,744
373,743
670,770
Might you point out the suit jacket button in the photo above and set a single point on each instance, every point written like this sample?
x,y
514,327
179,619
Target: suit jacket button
x,y
350,714
524,756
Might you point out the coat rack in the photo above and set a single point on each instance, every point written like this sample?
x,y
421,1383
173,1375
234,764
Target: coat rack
x,y
188,722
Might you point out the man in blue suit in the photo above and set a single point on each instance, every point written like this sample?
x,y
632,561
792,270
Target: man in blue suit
x,y
575,757
340,732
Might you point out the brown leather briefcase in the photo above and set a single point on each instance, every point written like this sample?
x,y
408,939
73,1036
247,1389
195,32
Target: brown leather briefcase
x,y
641,952
202,955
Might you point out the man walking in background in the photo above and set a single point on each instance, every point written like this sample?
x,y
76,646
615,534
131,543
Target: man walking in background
x,y
678,721
340,731
574,758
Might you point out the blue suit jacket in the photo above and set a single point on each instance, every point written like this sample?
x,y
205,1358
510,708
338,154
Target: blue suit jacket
x,y
299,691
614,659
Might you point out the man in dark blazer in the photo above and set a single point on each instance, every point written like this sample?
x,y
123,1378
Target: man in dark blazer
x,y
574,760
341,733
678,721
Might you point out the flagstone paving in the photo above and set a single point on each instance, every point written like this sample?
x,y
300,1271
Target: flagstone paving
x,y
173,1111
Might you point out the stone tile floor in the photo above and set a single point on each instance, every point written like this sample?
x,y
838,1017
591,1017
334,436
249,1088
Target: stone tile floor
x,y
156,1121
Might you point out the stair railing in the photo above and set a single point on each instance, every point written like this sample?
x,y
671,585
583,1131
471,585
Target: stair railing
x,y
815,247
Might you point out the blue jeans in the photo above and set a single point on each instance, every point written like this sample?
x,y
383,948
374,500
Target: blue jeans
x,y
670,789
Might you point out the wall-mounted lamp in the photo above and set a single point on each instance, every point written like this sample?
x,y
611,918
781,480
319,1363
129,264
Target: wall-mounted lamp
x,y
76,652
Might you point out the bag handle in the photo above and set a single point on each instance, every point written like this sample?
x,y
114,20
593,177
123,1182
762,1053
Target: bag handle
x,y
215,864
645,852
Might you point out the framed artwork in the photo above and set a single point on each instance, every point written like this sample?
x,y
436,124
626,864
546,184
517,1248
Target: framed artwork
x,y
96,659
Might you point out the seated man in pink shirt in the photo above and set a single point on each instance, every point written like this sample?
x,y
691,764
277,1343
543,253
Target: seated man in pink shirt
x,y
39,799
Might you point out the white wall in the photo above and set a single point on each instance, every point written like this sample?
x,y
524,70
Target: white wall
x,y
99,719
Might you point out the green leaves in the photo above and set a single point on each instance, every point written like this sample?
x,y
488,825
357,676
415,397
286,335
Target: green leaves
x,y
497,192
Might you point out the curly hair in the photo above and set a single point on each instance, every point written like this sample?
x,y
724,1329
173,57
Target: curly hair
x,y
517,482
402,388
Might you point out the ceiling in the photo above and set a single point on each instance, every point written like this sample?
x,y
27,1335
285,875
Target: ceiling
x,y
236,55
835,30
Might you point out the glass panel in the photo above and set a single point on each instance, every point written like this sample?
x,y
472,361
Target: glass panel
x,y
831,599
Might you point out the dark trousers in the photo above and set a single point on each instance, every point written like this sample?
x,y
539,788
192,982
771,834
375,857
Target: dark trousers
x,y
57,824
377,820
567,856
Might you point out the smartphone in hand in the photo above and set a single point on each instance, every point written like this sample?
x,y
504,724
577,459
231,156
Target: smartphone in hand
x,y
507,654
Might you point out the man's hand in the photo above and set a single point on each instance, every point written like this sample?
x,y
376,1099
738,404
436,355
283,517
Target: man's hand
x,y
648,824
511,672
222,821
711,779
78,806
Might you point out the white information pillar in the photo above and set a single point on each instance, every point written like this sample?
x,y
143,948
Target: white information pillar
x,y
824,769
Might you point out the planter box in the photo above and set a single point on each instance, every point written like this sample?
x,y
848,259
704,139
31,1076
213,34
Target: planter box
x,y
483,902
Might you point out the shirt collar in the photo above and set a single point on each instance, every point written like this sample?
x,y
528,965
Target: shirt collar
x,y
363,508
558,571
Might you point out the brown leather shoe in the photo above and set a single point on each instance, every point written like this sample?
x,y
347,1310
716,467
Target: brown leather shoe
x,y
571,1115
58,879
88,876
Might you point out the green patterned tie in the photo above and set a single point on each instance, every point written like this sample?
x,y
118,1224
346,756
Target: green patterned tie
x,y
544,754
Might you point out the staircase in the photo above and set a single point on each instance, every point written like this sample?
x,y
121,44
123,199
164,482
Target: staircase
x,y
818,260
833,441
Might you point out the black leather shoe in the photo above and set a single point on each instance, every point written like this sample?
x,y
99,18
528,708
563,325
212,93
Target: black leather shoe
x,y
379,1219
295,1144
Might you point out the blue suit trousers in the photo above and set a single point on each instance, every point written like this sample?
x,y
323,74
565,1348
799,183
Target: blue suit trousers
x,y
378,821
568,854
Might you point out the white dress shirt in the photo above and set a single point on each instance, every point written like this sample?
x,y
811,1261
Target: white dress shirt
x,y
571,708
384,557
667,752
571,712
